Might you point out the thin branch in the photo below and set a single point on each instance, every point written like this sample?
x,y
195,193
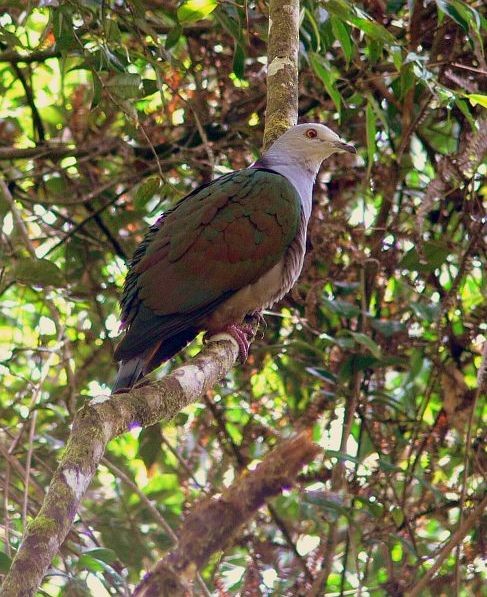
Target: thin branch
x,y
455,169
481,382
55,151
242,464
29,94
457,537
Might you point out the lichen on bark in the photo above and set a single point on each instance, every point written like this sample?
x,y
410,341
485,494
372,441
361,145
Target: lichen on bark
x,y
282,69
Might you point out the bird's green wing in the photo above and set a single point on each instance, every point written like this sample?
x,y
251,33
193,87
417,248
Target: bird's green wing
x,y
217,240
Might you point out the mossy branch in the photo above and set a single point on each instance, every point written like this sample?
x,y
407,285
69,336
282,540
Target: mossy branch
x,y
282,69
215,521
99,421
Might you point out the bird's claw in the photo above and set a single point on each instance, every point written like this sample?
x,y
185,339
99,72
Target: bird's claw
x,y
256,317
243,334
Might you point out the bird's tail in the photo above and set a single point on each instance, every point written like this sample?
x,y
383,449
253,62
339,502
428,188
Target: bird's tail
x,y
129,373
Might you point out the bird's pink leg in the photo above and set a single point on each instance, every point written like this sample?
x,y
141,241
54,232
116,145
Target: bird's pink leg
x,y
242,333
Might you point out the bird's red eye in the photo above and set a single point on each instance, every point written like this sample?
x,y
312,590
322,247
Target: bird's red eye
x,y
311,133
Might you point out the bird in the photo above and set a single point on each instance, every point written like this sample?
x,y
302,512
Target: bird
x,y
226,251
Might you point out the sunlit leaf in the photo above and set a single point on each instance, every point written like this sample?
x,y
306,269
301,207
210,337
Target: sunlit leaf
x,y
195,10
125,85
322,70
38,272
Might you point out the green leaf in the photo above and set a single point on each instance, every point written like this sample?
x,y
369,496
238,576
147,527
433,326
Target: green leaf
x,y
427,313
397,516
322,70
321,373
462,105
97,90
314,31
38,272
436,252
373,30
354,364
340,307
366,341
87,562
434,255
449,9
149,87
150,440
5,562
112,31
388,327
343,36
173,37
195,10
146,191
231,24
239,61
102,553
9,38
477,98
125,85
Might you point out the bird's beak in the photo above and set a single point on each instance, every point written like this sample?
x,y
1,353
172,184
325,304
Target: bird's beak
x,y
342,146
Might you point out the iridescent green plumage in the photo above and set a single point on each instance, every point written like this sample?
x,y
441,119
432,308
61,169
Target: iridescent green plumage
x,y
216,241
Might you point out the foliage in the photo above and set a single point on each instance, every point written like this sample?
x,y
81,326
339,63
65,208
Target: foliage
x,y
110,112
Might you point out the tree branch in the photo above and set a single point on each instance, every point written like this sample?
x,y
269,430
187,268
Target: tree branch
x,y
99,421
455,169
282,69
214,522
456,538
57,150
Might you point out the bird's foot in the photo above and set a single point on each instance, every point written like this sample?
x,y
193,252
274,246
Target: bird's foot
x,y
242,333
256,317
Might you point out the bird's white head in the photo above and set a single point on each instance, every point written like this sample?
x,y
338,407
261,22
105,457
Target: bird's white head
x,y
299,152
311,142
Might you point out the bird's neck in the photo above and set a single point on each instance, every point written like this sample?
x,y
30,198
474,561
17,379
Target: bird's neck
x,y
300,173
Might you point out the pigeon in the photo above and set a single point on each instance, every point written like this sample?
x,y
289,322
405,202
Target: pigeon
x,y
222,254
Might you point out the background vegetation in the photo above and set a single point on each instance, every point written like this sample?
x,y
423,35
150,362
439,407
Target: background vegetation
x,y
109,113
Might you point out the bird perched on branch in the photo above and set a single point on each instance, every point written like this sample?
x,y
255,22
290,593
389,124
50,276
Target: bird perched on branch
x,y
226,251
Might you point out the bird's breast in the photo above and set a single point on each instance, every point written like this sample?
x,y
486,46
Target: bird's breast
x,y
265,291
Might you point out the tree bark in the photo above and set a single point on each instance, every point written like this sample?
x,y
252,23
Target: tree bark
x,y
282,69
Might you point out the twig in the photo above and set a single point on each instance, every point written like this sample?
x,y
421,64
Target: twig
x,y
36,118
19,222
481,382
457,537
338,475
55,151
28,465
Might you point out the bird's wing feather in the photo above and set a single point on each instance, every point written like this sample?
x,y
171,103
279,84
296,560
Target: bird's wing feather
x,y
217,240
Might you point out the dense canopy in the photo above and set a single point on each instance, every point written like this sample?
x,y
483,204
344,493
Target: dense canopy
x,y
112,111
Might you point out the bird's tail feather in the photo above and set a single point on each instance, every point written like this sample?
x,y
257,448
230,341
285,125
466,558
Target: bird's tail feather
x,y
129,373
